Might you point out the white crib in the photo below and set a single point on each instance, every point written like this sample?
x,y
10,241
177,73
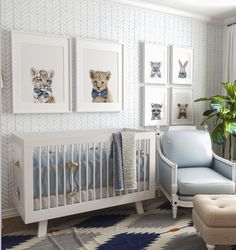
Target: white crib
x,y
63,173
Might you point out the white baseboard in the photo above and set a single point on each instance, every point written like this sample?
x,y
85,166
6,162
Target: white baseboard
x,y
9,213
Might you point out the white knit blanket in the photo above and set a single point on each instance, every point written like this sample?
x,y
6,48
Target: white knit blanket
x,y
129,160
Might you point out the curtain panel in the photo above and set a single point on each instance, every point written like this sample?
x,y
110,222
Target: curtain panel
x,y
229,65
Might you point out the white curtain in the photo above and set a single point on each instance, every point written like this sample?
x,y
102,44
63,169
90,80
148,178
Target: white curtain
x,y
229,64
229,54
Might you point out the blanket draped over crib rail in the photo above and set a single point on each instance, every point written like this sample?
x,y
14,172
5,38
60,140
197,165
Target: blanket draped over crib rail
x,y
124,149
118,161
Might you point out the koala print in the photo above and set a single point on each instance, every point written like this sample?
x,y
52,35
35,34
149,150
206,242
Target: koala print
x,y
100,92
156,111
182,111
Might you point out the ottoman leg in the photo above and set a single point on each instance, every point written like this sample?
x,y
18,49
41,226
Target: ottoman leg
x,y
210,247
198,233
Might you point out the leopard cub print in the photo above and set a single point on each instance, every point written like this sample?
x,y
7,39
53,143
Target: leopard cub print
x,y
42,82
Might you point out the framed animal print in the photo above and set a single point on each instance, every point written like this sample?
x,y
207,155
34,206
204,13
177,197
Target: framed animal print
x,y
41,71
155,64
99,76
155,106
181,65
181,106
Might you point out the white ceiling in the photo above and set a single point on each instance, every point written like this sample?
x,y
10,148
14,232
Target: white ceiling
x,y
217,10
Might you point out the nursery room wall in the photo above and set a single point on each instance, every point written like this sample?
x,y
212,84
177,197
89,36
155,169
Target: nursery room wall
x,y
102,20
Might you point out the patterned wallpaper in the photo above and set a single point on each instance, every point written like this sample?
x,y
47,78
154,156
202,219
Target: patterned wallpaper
x,y
103,20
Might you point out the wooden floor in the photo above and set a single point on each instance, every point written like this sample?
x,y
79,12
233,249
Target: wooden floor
x,y
13,225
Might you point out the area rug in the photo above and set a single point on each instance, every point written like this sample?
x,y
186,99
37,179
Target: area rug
x,y
117,229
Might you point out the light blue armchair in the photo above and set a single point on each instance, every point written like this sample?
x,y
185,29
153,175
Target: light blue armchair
x,y
188,166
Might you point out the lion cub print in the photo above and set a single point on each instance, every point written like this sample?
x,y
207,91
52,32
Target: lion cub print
x,y
42,82
100,92
182,110
156,111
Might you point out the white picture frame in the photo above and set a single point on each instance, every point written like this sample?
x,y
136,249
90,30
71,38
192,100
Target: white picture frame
x,y
41,73
155,106
99,76
181,106
155,64
181,65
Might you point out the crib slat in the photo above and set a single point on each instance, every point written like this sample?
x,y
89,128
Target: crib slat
x,y
56,149
138,165
48,173
94,169
113,169
144,165
107,169
80,166
148,152
87,166
64,173
100,170
40,178
72,173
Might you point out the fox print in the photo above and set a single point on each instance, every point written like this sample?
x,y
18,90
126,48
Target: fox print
x,y
156,111
155,69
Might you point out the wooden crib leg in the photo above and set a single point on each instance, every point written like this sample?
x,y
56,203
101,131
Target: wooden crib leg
x,y
42,228
139,207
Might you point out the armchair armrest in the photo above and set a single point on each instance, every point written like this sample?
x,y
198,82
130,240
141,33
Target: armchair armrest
x,y
164,159
167,173
224,167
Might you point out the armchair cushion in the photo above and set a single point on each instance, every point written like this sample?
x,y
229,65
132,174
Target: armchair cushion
x,y
190,148
193,181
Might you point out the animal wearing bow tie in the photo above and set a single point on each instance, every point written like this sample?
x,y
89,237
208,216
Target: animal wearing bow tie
x,y
42,82
100,92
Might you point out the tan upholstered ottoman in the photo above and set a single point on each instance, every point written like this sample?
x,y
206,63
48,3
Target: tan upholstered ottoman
x,y
214,217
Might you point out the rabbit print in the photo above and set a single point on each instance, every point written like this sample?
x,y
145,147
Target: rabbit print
x,y
182,71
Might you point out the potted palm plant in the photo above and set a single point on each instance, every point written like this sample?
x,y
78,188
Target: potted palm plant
x,y
222,110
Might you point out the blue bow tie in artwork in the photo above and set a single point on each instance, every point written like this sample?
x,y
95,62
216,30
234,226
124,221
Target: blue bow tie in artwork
x,y
47,93
103,93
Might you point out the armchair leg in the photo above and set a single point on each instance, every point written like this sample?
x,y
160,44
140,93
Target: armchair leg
x,y
174,210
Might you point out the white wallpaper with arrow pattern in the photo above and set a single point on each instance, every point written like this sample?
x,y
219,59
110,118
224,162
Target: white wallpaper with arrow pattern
x,y
103,20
